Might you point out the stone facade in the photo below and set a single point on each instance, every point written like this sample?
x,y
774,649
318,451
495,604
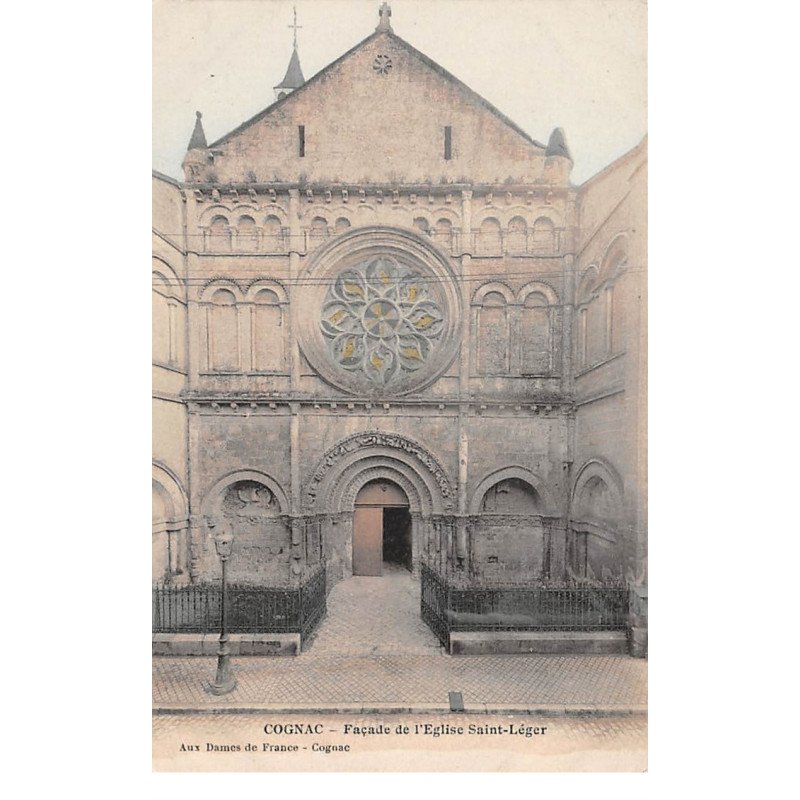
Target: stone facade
x,y
381,277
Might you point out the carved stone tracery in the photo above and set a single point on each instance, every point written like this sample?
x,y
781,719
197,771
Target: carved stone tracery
x,y
380,319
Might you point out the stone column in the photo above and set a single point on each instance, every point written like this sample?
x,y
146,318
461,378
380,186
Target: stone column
x,y
466,289
196,530
245,319
294,270
417,542
568,310
463,473
296,504
466,222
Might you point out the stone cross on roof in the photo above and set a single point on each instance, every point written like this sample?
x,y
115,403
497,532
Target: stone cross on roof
x,y
295,26
385,16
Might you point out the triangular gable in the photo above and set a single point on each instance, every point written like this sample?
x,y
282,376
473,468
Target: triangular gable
x,y
309,85
382,112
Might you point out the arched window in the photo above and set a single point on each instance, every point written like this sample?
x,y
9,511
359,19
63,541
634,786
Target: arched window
x,y
267,332
536,335
318,232
342,224
219,235
443,234
247,235
273,237
490,238
596,329
224,331
162,324
594,517
492,335
543,236
582,343
614,261
517,236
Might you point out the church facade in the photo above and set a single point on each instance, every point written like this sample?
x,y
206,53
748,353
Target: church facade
x,y
387,328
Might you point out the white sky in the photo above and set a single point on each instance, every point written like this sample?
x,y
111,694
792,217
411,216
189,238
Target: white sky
x,y
577,64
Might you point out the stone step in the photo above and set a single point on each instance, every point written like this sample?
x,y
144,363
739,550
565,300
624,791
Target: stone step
x,y
540,642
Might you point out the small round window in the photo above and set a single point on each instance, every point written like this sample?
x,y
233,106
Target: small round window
x,y
382,64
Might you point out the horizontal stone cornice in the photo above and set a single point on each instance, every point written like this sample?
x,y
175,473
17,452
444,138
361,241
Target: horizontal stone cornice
x,y
244,403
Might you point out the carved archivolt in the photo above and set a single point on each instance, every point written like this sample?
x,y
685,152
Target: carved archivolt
x,y
351,485
415,468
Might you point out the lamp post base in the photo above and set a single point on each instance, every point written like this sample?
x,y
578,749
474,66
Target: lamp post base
x,y
224,681
227,684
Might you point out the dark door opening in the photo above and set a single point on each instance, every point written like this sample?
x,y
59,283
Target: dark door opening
x,y
381,529
397,537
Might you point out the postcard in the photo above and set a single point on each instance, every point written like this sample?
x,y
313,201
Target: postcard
x,y
399,386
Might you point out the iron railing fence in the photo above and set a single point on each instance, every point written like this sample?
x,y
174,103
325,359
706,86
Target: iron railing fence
x,y
446,608
434,602
196,608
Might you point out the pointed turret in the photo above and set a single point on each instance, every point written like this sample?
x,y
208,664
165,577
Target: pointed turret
x,y
198,158
385,18
293,79
198,139
557,146
557,160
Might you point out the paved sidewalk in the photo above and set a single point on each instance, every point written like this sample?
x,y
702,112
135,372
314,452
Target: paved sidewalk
x,y
373,653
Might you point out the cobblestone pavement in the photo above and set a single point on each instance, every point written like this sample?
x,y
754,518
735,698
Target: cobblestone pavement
x,y
374,616
372,648
562,743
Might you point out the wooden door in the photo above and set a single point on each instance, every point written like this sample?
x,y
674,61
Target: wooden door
x,y
368,540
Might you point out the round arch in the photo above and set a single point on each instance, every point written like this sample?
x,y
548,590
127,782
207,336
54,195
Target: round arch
x,y
598,468
615,256
214,494
171,489
538,287
211,286
372,468
347,466
493,286
217,210
273,210
166,272
521,473
267,283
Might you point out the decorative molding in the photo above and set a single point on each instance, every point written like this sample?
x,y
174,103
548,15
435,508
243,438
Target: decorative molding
x,y
384,440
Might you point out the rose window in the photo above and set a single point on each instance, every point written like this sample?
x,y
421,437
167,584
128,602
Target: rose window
x,y
380,319
382,64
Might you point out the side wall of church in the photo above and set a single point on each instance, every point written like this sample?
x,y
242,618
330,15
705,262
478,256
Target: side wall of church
x,y
608,510
169,371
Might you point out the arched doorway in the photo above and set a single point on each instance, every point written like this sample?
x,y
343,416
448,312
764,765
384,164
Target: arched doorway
x,y
381,529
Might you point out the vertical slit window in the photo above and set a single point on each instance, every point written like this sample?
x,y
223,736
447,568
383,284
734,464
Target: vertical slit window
x,y
448,142
301,140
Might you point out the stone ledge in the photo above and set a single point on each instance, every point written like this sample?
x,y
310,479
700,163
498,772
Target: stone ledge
x,y
241,644
541,642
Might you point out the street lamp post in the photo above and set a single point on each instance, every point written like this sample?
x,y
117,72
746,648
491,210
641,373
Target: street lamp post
x,y
225,681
